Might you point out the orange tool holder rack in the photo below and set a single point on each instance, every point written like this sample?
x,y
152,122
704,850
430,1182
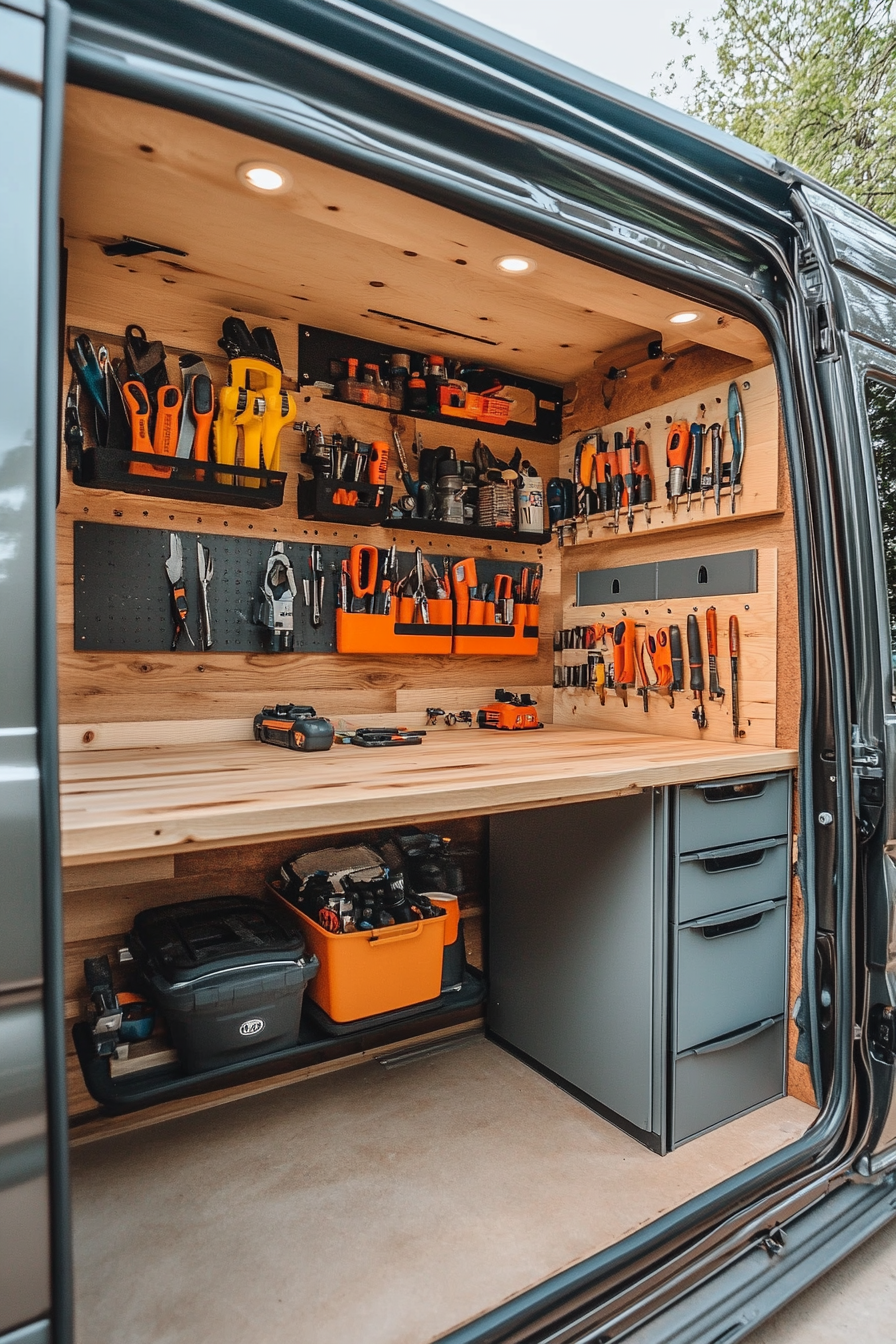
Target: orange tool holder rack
x,y
399,632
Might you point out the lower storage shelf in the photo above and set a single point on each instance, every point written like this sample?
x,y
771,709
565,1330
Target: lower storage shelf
x,y
318,1042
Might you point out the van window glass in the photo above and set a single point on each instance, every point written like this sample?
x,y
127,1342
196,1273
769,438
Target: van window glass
x,y
881,399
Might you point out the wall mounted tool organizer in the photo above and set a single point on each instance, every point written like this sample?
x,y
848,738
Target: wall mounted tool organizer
x,y
123,600
694,576
319,347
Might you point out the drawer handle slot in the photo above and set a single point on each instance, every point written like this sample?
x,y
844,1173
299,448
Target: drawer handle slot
x,y
731,793
727,1042
729,863
739,922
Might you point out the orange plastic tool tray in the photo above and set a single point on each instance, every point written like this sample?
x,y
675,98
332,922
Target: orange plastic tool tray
x,y
491,410
366,973
359,632
519,639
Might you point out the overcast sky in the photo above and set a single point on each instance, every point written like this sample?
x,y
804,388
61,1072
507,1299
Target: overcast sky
x,y
623,42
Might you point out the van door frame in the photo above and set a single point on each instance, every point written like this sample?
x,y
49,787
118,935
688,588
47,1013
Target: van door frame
x,y
112,59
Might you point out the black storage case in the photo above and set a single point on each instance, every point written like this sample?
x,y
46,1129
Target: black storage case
x,y
228,973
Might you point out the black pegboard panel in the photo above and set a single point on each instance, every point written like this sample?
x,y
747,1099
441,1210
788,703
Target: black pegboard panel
x,y
122,597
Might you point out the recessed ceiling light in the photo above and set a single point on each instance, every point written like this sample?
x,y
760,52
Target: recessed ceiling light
x,y
680,318
515,265
266,177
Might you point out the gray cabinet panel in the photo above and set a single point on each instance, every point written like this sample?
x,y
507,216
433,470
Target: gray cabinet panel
x,y
712,881
730,812
575,912
24,1189
716,1083
729,974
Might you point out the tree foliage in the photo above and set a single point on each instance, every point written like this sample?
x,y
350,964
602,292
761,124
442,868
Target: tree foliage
x,y
811,81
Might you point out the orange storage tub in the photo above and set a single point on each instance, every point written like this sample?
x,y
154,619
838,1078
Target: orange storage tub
x,y
363,974
361,632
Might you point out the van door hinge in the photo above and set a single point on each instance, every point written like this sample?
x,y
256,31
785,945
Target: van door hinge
x,y
882,1032
867,785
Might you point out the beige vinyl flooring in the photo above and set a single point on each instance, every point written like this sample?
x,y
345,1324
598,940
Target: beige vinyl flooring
x,y
374,1205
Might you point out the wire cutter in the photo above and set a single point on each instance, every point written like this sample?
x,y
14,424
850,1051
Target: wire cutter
x,y
174,566
206,564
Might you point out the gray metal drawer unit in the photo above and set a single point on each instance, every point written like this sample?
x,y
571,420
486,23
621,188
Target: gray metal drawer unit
x,y
714,880
731,812
730,972
722,1079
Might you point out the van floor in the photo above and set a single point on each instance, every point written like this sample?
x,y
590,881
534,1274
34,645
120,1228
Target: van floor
x,y
385,1206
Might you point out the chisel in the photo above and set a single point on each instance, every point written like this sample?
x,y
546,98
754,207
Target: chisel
x,y
617,485
712,649
734,655
601,480
715,432
695,662
627,472
738,433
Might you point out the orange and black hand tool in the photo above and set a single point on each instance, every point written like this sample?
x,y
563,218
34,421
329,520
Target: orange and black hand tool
x,y
616,460
677,655
168,404
629,479
137,402
624,657
695,662
644,688
712,650
734,655
643,478
363,566
504,599
463,578
202,410
660,651
601,483
677,444
378,463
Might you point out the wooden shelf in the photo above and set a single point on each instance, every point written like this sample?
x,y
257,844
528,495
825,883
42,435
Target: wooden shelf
x,y
134,802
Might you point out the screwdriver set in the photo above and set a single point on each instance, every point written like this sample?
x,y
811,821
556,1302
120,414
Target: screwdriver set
x,y
629,658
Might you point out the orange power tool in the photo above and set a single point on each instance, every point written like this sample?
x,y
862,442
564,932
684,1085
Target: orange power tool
x,y
624,658
677,444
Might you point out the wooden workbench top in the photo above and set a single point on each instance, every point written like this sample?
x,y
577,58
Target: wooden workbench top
x,y
164,800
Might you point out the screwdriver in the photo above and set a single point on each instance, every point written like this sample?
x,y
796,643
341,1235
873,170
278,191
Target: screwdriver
x,y
715,432
641,465
677,459
734,655
695,661
712,649
677,657
627,472
601,454
695,460
617,484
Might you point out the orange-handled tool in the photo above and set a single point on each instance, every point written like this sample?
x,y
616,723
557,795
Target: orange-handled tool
x,y
504,599
137,403
168,404
624,657
363,566
677,445
712,649
202,409
378,463
463,577
661,657
644,480
644,688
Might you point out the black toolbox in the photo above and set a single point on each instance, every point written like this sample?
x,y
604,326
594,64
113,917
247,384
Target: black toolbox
x,y
228,973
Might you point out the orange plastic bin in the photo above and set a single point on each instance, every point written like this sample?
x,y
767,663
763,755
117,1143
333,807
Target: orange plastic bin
x,y
363,974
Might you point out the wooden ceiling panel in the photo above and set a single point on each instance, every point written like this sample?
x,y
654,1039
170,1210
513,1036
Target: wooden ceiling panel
x,y
335,247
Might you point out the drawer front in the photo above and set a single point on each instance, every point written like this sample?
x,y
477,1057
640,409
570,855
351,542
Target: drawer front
x,y
729,812
730,973
721,1082
715,880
